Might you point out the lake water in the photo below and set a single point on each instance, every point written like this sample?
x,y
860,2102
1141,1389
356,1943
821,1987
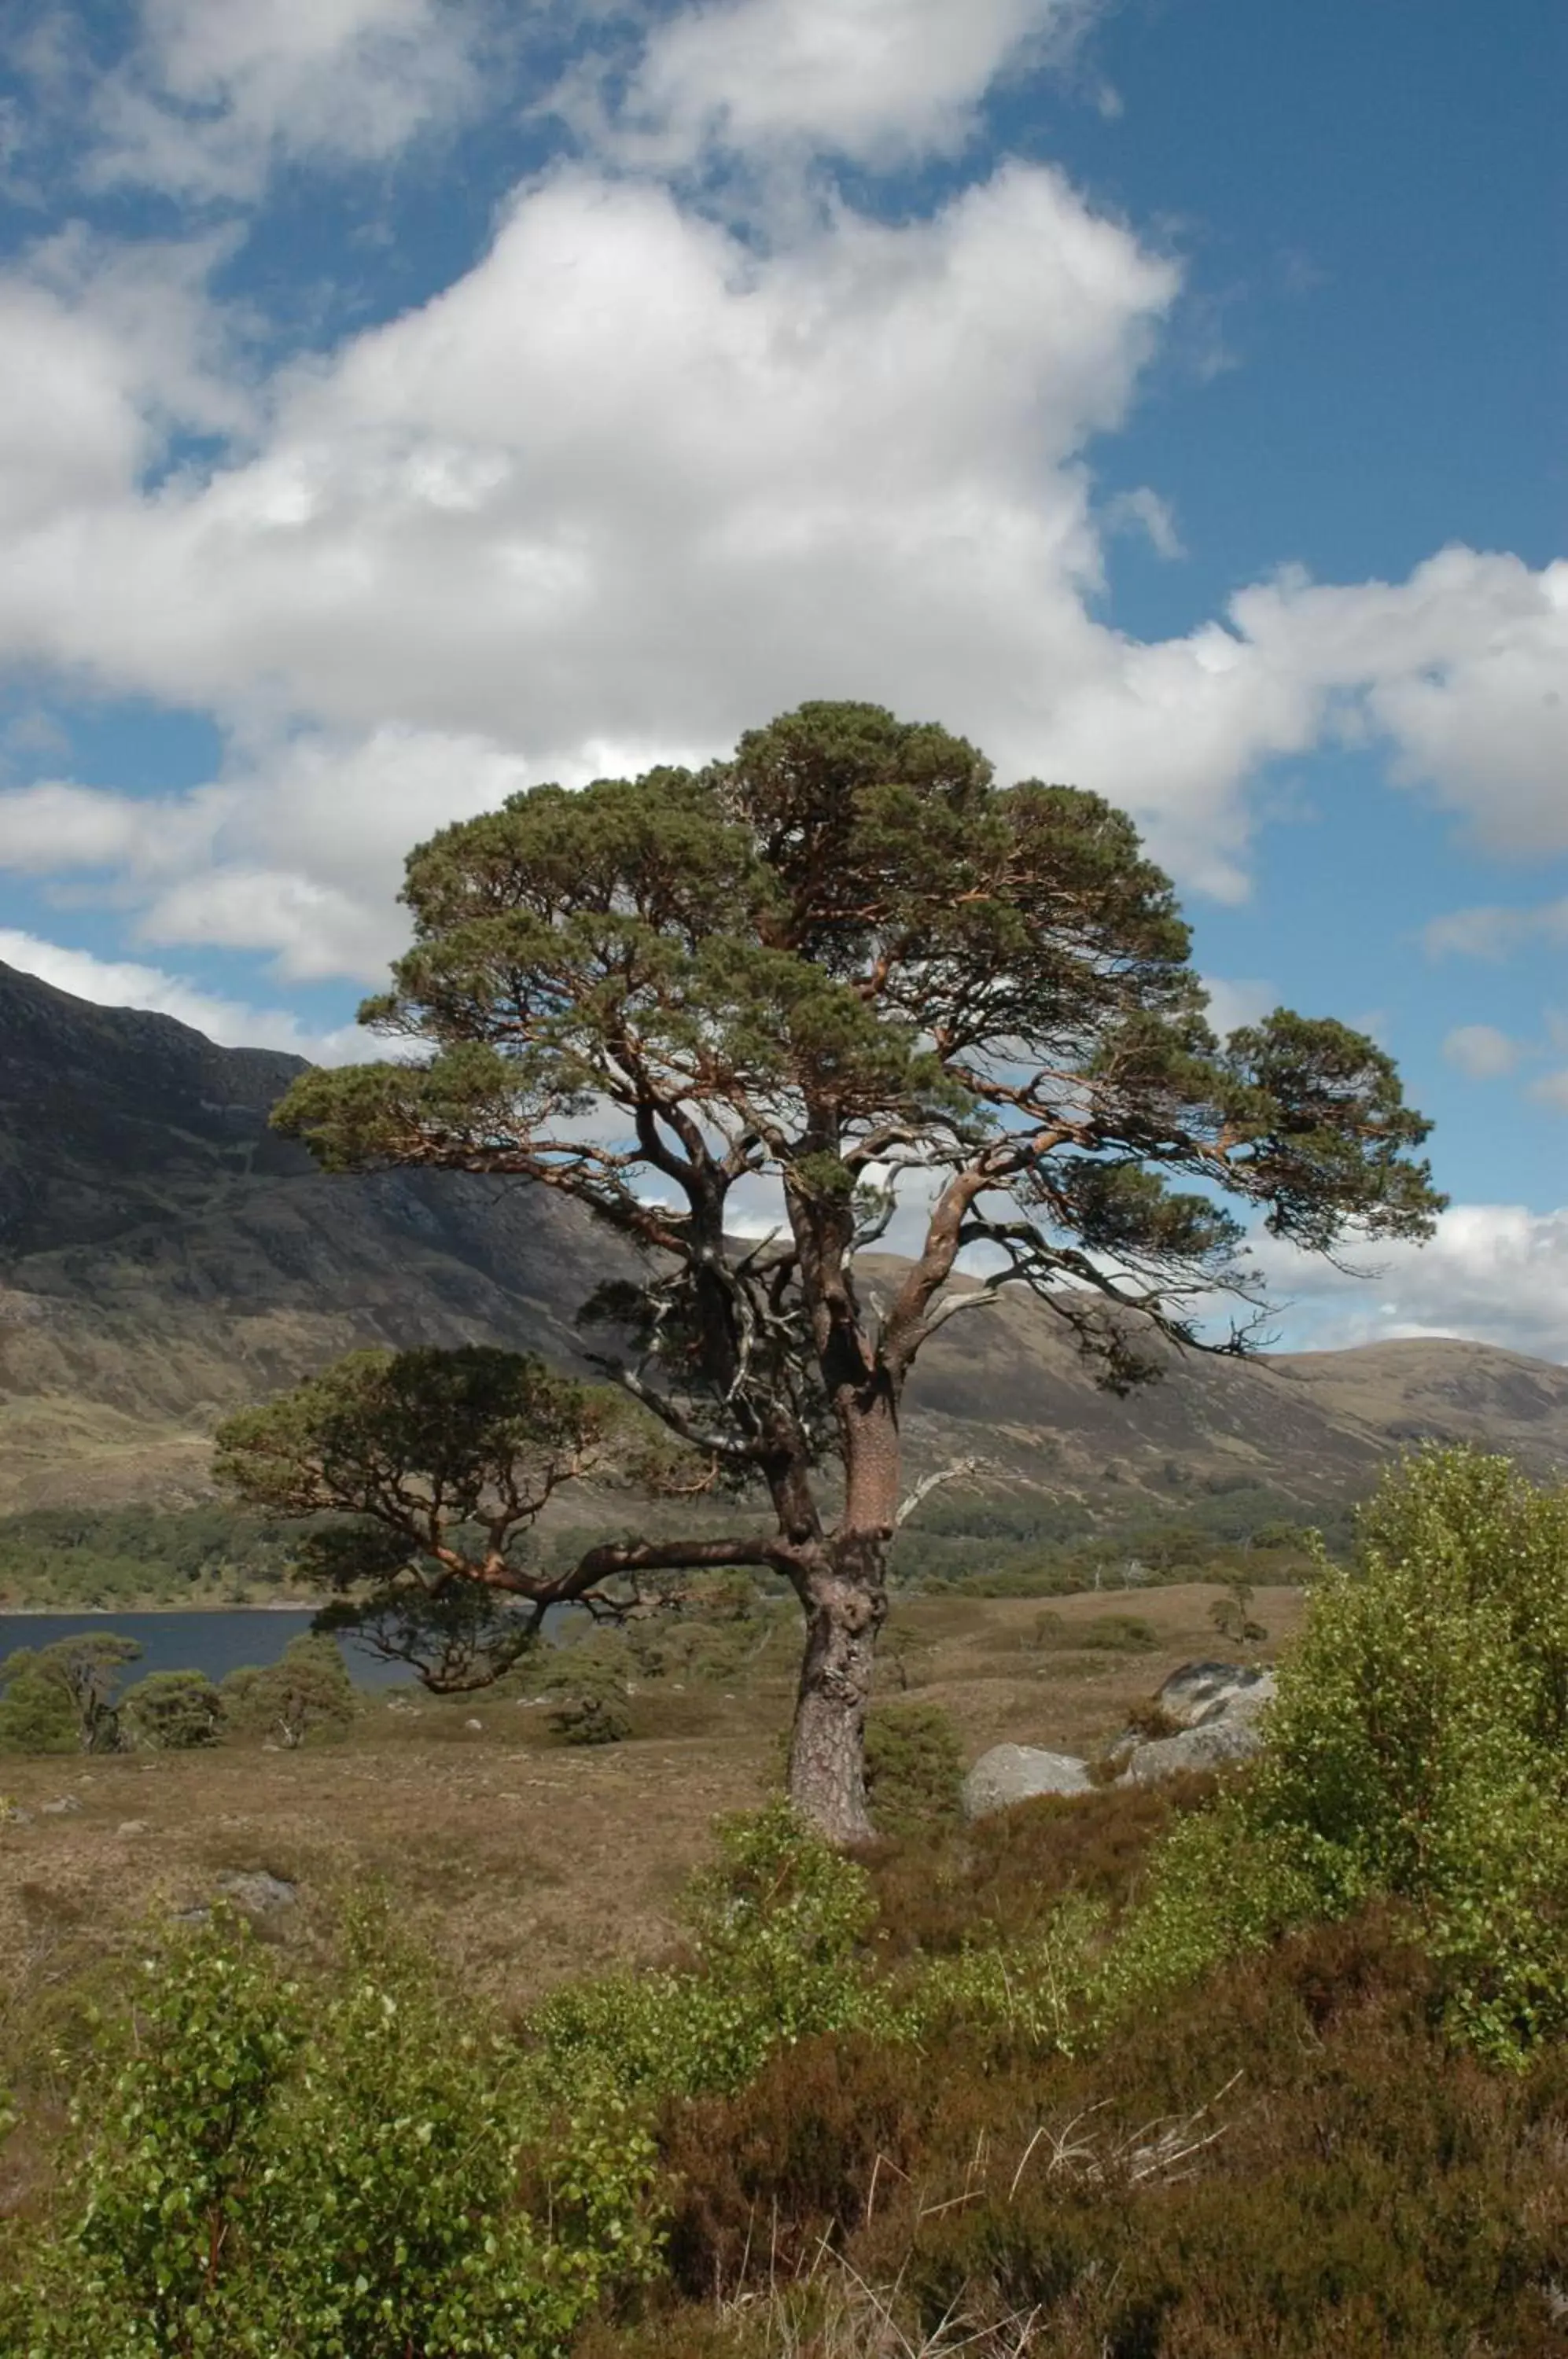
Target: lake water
x,y
216,1642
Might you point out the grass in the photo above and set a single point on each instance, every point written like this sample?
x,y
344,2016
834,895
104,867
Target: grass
x,y
524,1861
1288,2158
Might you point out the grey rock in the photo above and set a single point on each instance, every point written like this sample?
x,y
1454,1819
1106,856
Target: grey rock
x,y
474,1723
12,1814
1200,1692
257,1891
132,1827
1215,1745
57,1809
1243,1706
1014,1773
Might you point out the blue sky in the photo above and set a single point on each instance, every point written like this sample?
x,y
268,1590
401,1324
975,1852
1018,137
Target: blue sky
x,y
406,399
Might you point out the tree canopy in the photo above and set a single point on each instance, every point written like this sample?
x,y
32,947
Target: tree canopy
x,y
841,979
424,1474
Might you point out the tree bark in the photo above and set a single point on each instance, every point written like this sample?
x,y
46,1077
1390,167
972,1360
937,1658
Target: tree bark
x,y
845,1598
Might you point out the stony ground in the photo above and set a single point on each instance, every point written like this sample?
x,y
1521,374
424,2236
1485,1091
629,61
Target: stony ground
x,y
524,1861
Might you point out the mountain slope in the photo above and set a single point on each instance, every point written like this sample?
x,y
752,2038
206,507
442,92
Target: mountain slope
x,y
165,1256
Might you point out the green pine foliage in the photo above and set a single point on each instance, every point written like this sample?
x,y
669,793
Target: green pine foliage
x,y
171,1712
63,1698
307,1692
914,1768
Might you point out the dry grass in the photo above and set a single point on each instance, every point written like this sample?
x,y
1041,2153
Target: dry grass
x,y
526,1862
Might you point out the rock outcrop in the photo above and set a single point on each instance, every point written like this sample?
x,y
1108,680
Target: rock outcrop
x,y
1016,1773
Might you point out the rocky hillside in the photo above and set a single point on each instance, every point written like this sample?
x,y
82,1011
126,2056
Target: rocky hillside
x,y
165,1256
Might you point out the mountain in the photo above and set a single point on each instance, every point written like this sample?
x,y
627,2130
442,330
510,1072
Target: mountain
x,y
165,1256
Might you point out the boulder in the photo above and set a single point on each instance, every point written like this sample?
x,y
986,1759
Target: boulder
x,y
1212,1744
1014,1773
257,1891
1201,1693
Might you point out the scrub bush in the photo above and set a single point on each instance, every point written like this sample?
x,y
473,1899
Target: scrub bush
x,y
1417,1751
257,2174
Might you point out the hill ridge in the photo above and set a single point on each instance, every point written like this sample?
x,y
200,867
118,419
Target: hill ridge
x,y
164,1256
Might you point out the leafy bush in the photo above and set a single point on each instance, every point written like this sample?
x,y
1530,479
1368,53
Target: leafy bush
x,y
65,1691
36,1715
914,1768
587,1687
775,1927
307,1691
173,1711
1417,1750
1108,1634
258,2175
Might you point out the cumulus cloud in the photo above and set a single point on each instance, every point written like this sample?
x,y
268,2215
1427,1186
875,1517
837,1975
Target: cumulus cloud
x,y
1238,1000
1144,512
231,1022
633,483
1481,1052
1493,1273
122,348
1493,932
880,82
1460,669
215,92
637,479
298,851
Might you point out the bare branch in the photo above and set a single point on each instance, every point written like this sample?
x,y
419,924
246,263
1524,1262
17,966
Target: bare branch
x,y
961,1470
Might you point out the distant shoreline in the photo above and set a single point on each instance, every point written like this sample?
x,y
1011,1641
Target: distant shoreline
x,y
164,1606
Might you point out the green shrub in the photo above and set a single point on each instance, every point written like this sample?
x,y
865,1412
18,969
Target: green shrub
x,y
65,1691
1108,1634
587,1689
914,1768
307,1692
173,1711
776,1927
1417,1750
36,1715
260,2175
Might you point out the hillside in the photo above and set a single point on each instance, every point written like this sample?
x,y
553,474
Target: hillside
x,y
164,1256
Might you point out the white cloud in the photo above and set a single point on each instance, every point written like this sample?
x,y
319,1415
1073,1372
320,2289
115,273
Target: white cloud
x,y
1143,511
55,825
1493,1273
215,92
1461,668
298,851
1551,1090
1238,1000
1481,1052
1493,932
121,345
879,80
230,1022
635,481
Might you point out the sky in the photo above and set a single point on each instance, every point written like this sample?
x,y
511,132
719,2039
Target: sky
x,y
405,401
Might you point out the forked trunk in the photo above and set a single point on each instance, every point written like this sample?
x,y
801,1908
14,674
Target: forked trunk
x,y
846,1604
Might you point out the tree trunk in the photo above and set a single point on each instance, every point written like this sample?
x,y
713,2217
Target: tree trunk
x,y
845,1600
